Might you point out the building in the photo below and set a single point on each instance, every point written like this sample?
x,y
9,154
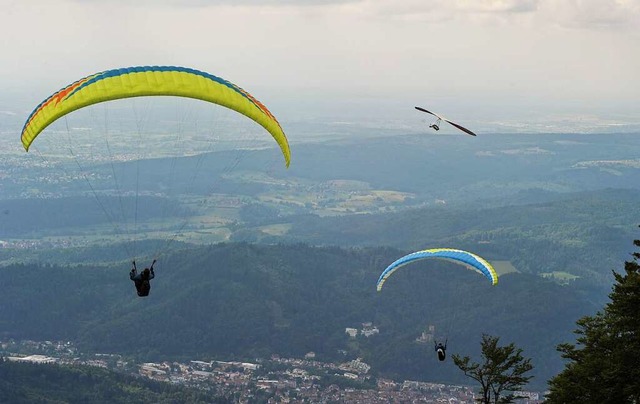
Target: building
x,y
32,359
352,332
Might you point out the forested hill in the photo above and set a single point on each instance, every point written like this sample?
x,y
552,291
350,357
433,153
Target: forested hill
x,y
586,234
242,301
48,384
554,220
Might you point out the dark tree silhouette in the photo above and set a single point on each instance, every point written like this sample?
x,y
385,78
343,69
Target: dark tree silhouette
x,y
603,365
501,373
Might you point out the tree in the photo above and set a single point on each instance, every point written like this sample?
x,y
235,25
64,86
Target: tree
x,y
502,371
603,365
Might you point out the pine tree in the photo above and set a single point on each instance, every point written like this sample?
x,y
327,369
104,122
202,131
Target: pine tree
x,y
604,365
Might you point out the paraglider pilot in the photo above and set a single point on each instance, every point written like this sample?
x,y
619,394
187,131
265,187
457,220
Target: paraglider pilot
x,y
141,280
441,350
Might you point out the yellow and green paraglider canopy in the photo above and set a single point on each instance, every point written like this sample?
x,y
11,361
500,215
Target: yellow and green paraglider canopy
x,y
149,81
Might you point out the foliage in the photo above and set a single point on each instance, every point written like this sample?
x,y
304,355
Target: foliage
x,y
579,234
256,214
342,382
241,301
603,365
503,370
46,383
33,217
512,214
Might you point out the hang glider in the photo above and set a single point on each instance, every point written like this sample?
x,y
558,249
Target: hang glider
x,y
436,124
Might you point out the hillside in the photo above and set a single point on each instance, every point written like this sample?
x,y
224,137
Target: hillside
x,y
48,384
245,301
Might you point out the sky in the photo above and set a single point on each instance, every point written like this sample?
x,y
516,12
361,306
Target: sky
x,y
486,62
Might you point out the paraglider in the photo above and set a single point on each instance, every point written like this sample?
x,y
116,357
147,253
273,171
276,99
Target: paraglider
x,y
436,124
143,81
441,350
465,258
151,81
141,280
469,260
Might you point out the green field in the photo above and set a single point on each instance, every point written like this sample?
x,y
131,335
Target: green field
x,y
503,267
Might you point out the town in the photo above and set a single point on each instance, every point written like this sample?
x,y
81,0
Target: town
x,y
273,380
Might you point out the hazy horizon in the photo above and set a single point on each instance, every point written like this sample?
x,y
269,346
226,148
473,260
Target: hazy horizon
x,y
496,65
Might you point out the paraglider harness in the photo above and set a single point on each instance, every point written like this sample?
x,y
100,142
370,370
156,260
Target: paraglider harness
x,y
435,125
441,350
141,280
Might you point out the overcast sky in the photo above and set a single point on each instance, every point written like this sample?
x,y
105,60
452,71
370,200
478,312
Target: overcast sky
x,y
487,60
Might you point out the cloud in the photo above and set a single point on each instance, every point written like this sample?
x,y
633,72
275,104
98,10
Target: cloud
x,y
418,6
582,14
475,56
445,10
214,3
496,6
574,14
593,14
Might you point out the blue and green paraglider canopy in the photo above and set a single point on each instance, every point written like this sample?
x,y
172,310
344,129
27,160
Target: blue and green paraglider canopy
x,y
470,260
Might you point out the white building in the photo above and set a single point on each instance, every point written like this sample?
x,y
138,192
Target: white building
x,y
33,359
352,332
